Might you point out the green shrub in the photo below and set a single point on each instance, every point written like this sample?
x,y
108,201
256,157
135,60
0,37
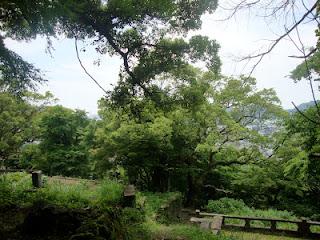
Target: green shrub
x,y
227,205
132,216
133,219
15,189
239,208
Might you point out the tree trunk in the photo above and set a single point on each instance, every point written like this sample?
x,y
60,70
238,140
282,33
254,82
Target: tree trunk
x,y
160,179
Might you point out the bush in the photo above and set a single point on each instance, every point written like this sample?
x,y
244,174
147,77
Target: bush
x,y
227,205
239,208
14,189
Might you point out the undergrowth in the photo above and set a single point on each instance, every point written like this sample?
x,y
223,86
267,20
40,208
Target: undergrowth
x,y
16,189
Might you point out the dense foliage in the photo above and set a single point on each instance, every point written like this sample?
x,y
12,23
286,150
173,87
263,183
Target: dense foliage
x,y
167,126
206,136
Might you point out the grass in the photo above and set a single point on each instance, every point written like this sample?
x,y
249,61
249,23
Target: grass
x,y
16,189
152,202
254,236
238,208
182,231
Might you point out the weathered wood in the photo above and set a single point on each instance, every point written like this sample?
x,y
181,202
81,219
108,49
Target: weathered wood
x,y
314,223
304,228
248,217
247,223
273,227
303,225
129,197
36,179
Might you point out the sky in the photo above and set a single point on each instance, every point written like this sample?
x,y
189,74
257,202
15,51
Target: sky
x,y
240,36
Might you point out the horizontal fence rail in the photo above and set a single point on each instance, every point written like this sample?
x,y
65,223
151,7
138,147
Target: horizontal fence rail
x,y
303,226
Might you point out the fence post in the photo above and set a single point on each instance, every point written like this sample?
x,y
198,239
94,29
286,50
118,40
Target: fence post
x,y
247,224
304,228
273,225
198,213
37,179
129,195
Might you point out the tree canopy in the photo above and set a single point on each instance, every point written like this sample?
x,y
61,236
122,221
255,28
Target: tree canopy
x,y
140,32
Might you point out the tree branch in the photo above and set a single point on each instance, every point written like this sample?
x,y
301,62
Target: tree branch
x,y
304,115
260,56
85,70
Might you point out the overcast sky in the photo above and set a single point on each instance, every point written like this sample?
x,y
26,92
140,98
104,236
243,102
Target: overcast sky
x,y
237,37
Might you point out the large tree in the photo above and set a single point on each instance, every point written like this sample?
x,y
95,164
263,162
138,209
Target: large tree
x,y
17,120
199,124
141,32
60,142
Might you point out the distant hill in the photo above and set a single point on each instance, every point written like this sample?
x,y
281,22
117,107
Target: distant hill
x,y
302,106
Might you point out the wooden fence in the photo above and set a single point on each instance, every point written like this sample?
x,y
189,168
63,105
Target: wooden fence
x,y
303,226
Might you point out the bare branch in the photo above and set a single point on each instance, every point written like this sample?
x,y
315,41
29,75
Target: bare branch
x,y
308,71
279,145
304,115
305,56
260,56
238,7
85,70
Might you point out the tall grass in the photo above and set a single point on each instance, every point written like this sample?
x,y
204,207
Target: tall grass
x,y
183,231
16,189
152,202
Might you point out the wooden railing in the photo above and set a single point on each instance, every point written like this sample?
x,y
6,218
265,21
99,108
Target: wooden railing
x,y
303,226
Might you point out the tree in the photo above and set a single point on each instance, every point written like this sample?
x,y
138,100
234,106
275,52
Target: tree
x,y
140,32
289,178
17,118
61,149
308,133
200,124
